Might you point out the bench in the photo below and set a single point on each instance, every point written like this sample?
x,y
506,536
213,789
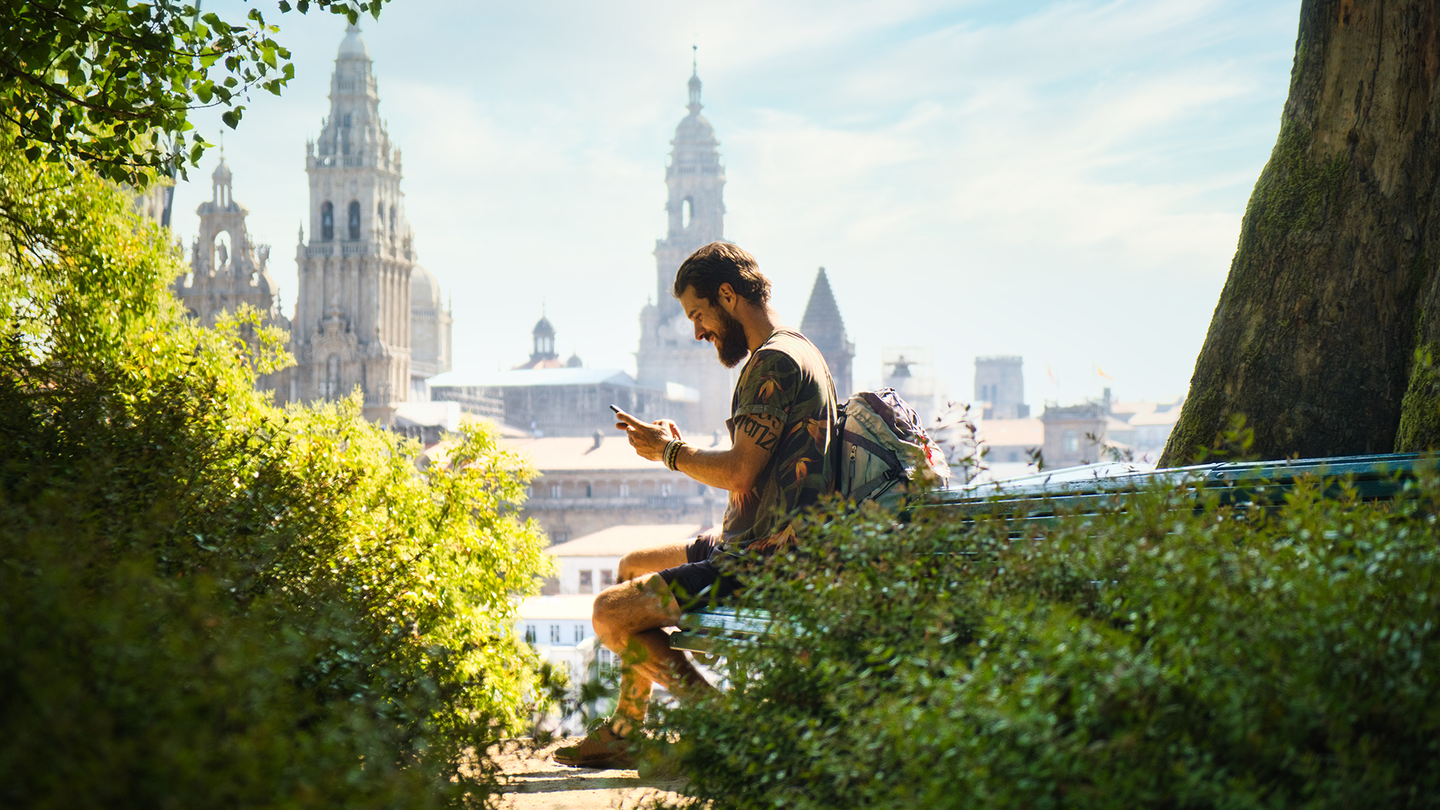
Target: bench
x,y
1072,493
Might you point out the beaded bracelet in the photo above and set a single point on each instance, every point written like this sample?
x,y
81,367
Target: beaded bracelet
x,y
671,454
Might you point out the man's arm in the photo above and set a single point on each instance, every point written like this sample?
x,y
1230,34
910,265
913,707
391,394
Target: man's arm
x,y
733,470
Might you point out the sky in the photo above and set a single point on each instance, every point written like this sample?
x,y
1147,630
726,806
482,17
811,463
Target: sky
x,y
1058,180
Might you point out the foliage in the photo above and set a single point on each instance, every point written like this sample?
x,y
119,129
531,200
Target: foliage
x,y
1159,657
113,83
209,601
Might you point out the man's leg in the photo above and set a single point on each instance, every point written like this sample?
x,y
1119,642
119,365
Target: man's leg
x,y
628,619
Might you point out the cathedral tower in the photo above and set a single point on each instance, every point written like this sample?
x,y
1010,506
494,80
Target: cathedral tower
x,y
352,316
226,268
670,359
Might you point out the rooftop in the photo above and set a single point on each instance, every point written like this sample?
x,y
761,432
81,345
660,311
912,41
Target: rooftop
x,y
552,454
516,378
617,541
560,606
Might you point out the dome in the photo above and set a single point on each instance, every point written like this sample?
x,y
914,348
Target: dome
x,y
424,289
694,127
352,45
543,328
221,173
574,361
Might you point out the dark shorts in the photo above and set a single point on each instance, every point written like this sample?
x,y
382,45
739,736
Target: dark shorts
x,y
700,582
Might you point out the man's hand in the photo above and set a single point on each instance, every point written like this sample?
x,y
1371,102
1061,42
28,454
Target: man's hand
x,y
649,440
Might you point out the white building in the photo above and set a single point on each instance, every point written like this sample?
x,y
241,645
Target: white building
x,y
558,625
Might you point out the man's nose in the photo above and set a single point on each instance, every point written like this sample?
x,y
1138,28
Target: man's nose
x,y
699,331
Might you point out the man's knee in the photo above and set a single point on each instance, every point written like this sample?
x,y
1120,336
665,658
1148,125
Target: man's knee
x,y
629,607
630,566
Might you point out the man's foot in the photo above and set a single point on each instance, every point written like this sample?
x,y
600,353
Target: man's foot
x,y
601,748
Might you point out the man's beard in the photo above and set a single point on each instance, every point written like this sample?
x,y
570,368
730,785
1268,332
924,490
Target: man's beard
x,y
730,343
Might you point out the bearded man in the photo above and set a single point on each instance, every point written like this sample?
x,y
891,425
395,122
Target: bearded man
x,y
783,417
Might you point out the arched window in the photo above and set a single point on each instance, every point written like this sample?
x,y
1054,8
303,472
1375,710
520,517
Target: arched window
x,y
687,212
380,218
1071,441
332,378
353,221
327,222
392,222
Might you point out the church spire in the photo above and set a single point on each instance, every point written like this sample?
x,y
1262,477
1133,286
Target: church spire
x,y
825,328
695,105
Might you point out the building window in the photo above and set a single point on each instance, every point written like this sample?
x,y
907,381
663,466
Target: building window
x,y
687,212
554,634
607,578
624,489
347,119
380,218
530,637
589,491
555,490
559,536
353,221
609,662
587,582
331,387
327,222
664,490
579,632
392,222
1071,442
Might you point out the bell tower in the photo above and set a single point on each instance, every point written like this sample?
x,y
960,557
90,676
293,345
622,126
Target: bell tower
x,y
352,314
695,207
670,359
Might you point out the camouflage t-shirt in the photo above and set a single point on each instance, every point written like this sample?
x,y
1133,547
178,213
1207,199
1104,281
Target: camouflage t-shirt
x,y
785,378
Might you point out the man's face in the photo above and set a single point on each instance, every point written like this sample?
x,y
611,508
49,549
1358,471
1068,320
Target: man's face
x,y
713,323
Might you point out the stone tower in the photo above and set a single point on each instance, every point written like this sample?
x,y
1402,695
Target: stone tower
x,y
670,359
227,270
1000,387
352,316
825,328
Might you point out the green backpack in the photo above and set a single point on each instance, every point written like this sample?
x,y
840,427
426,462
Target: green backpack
x,y
884,455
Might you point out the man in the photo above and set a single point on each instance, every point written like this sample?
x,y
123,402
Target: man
x,y
782,422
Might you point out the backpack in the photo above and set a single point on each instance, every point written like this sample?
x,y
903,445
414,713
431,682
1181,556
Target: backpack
x,y
883,453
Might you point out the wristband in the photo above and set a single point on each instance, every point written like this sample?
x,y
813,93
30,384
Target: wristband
x,y
671,454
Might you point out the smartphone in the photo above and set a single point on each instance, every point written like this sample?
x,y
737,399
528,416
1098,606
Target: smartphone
x,y
615,409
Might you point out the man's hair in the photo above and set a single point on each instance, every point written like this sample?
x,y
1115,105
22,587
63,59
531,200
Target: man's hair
x,y
722,263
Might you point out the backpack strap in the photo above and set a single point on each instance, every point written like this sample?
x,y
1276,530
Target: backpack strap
x,y
885,453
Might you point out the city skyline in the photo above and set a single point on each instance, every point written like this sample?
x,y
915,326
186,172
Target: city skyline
x,y
976,178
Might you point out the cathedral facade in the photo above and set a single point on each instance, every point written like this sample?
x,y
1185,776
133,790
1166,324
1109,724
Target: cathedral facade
x,y
669,358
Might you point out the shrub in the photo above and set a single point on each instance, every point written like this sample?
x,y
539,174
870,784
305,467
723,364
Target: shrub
x,y
1159,657
209,601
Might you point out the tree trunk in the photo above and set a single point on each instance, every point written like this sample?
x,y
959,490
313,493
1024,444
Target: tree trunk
x,y
1330,318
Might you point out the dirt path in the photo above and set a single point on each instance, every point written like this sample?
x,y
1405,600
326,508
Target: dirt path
x,y
534,781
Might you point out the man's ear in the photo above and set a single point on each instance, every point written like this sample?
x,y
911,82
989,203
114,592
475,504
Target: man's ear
x,y
726,297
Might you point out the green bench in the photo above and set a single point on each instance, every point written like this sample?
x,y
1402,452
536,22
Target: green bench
x,y
1072,493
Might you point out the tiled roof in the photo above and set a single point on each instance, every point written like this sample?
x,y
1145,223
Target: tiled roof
x,y
617,541
580,454
1012,432
535,377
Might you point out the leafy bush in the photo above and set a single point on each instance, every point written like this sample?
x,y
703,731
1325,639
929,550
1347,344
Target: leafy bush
x,y
1154,658
209,601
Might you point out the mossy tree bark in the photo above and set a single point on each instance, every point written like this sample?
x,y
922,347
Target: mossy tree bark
x,y
1327,325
